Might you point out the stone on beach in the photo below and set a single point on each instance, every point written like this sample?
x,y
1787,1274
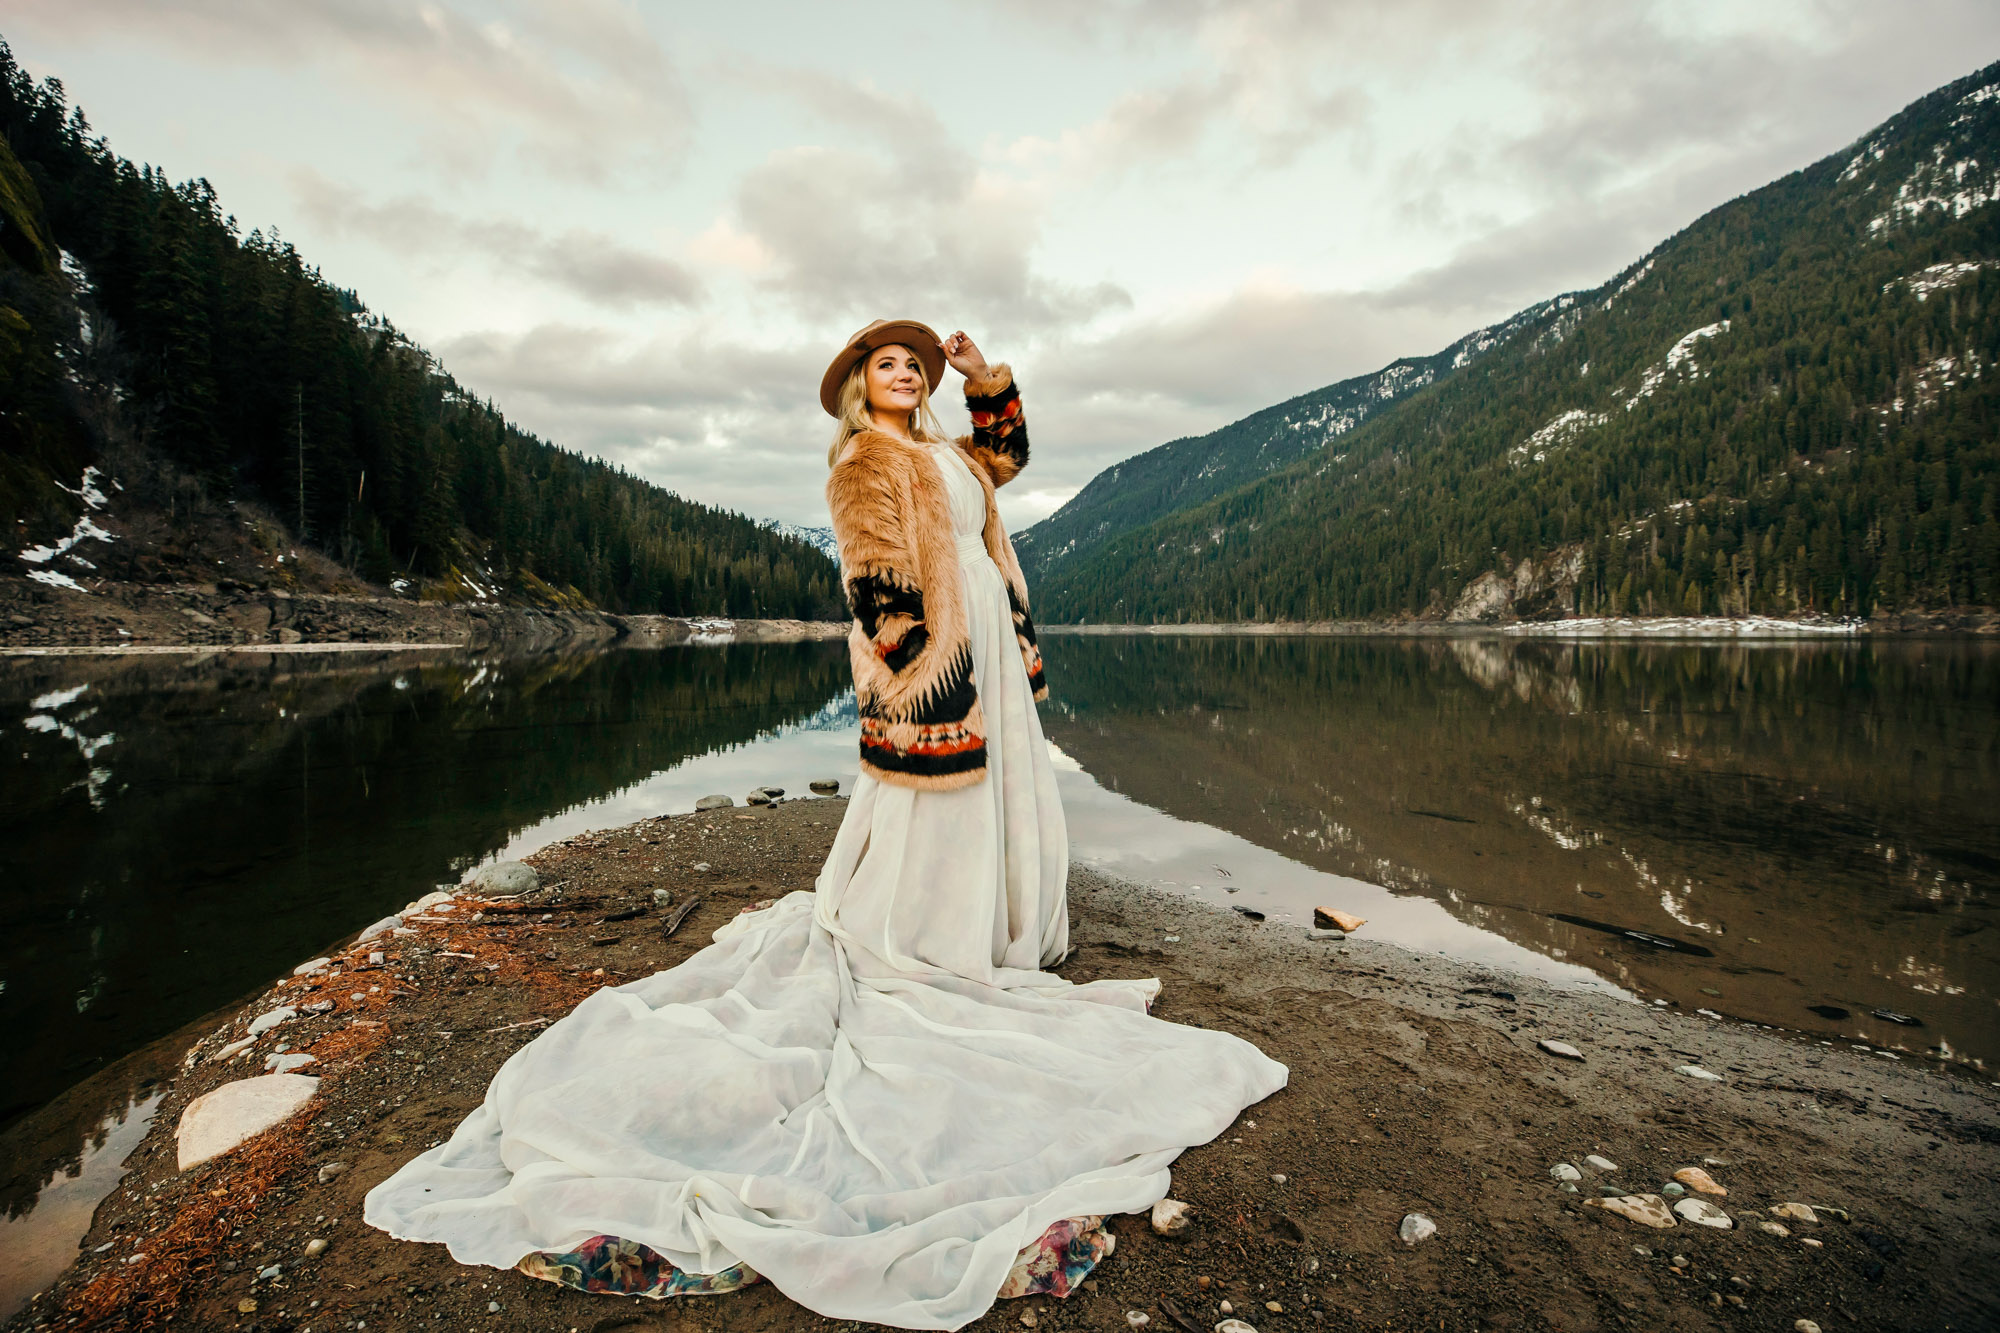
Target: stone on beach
x,y
1416,1227
714,803
1138,1318
1645,1209
241,1044
1794,1212
1335,919
264,1022
1596,1163
1566,1173
1171,1217
217,1121
1703,1214
313,966
1773,1228
1697,1179
823,786
1561,1048
330,1170
1233,1326
286,1063
382,927
757,797
1696,1071
504,879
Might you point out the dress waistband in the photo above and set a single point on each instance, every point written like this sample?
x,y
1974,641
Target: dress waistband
x,y
972,547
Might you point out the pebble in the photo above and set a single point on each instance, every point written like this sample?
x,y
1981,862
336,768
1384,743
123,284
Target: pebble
x,y
1674,1188
1028,1319
266,1274
1804,1326
714,803
1171,1217
1810,1242
1138,1318
315,1246
1416,1227
285,1064
1596,1163
1331,918
662,898
313,966
1703,1214
233,1047
1611,1191
823,786
1202,1282
757,798
1773,1228
1697,1179
493,1307
773,792
1278,1180
1564,1171
1794,1212
1226,1308
1696,1071
1274,1307
1561,1048
246,1306
701,865
1233,1326
1646,1209
330,1170
1334,935
1680,1261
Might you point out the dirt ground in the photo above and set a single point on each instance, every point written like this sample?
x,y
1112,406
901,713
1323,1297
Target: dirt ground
x,y
1416,1086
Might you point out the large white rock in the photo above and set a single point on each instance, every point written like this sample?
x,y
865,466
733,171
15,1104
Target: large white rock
x,y
1703,1214
1171,1217
264,1022
217,1121
504,879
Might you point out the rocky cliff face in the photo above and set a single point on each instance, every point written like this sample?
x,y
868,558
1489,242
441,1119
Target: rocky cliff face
x,y
1536,589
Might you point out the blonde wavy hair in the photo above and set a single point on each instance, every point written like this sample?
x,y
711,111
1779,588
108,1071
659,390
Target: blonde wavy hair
x,y
854,415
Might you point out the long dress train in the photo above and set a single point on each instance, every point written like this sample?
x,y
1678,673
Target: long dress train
x,y
869,1094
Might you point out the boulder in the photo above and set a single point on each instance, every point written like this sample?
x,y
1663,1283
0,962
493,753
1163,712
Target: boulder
x,y
313,966
217,1121
757,797
504,879
382,927
823,786
714,803
264,1022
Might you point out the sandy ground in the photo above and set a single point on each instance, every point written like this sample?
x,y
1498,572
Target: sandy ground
x,y
1416,1086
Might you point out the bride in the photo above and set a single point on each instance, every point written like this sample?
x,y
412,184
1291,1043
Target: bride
x,y
869,1095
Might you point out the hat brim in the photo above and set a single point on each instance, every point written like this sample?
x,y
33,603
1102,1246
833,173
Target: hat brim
x,y
919,338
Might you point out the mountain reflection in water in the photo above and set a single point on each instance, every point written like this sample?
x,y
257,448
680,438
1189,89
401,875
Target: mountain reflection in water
x,y
1773,832
181,830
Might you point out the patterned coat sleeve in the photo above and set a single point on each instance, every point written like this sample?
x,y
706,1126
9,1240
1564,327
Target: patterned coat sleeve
x,y
884,592
999,439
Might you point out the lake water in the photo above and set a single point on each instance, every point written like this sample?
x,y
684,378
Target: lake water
x,y
1798,835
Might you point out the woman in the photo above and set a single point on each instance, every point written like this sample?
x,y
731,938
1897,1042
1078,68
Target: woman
x,y
870,1095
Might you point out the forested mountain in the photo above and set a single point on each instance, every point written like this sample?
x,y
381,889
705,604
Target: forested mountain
x,y
134,314
1183,473
1791,406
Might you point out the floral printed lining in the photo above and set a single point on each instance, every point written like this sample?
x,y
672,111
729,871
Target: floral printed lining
x,y
1054,1264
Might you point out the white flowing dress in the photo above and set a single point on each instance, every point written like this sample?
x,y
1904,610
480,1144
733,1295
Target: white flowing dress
x,y
870,1094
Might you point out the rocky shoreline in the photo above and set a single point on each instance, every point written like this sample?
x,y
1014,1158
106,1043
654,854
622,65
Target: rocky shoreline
x,y
34,616
1506,1111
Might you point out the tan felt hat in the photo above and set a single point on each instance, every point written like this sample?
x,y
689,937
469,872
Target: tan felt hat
x,y
919,338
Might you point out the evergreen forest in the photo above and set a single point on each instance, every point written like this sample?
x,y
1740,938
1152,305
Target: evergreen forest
x,y
134,307
1791,407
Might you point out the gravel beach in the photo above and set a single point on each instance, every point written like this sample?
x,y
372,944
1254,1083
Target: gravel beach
x,y
1418,1086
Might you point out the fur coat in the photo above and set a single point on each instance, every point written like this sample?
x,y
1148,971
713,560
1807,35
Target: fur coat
x,y
911,647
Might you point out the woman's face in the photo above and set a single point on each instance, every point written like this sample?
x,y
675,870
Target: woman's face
x,y
895,381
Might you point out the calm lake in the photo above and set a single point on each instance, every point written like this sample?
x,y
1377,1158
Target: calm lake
x,y
1798,835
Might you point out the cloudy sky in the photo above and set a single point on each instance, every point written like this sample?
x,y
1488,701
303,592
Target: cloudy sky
x,y
642,228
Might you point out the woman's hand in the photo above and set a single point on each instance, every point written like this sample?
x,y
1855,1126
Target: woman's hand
x,y
964,355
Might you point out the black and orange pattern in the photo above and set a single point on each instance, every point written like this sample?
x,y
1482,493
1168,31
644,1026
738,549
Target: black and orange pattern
x,y
999,430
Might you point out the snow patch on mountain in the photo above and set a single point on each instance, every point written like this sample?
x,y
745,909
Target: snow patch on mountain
x,y
86,529
1553,436
1936,278
820,539
1680,363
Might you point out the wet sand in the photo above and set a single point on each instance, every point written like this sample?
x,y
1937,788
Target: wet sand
x,y
1417,1086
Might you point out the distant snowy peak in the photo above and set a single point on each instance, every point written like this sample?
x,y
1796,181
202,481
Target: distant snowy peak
x,y
1914,169
820,539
